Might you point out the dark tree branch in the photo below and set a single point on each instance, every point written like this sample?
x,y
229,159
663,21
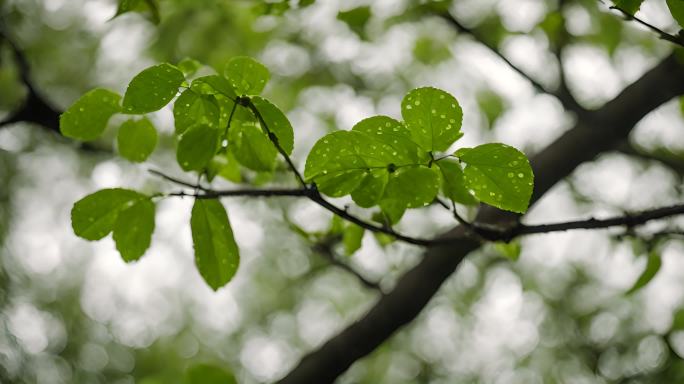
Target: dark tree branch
x,y
563,96
672,160
678,39
325,249
594,133
35,108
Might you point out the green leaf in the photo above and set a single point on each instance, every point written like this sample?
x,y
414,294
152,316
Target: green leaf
x,y
226,166
87,118
413,187
431,51
453,182
351,238
678,320
433,117
248,76
340,161
208,374
629,6
510,250
189,66
193,108
216,253
372,188
152,89
277,122
214,85
93,217
197,147
652,267
677,10
136,140
356,19
251,146
498,175
133,229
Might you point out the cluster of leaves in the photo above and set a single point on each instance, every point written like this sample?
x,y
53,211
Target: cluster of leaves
x,y
222,126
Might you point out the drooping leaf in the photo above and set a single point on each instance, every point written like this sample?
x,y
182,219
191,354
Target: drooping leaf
x,y
208,374
392,210
677,10
498,175
653,265
352,238
87,118
433,117
248,76
216,253
133,229
251,146
93,217
136,140
193,108
453,182
214,85
629,6
197,147
152,89
189,66
277,122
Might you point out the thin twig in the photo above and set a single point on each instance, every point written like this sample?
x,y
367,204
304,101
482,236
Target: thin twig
x,y
565,98
324,248
678,40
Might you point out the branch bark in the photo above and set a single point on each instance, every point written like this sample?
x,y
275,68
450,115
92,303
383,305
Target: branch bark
x,y
594,133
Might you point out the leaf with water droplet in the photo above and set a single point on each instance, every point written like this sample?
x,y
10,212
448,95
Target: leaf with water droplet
x,y
152,89
277,122
93,216
197,147
248,76
133,229
87,118
136,140
194,108
216,254
433,117
498,175
453,182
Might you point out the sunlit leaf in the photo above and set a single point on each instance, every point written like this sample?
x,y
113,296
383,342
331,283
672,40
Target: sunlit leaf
x,y
653,265
216,253
213,85
433,117
93,217
152,89
413,186
498,175
87,118
248,76
197,147
133,229
136,140
193,108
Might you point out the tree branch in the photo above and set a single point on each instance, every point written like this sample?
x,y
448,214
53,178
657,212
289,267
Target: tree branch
x,y
594,133
664,156
562,95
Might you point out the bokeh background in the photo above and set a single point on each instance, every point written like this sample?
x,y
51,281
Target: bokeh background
x,y
73,312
